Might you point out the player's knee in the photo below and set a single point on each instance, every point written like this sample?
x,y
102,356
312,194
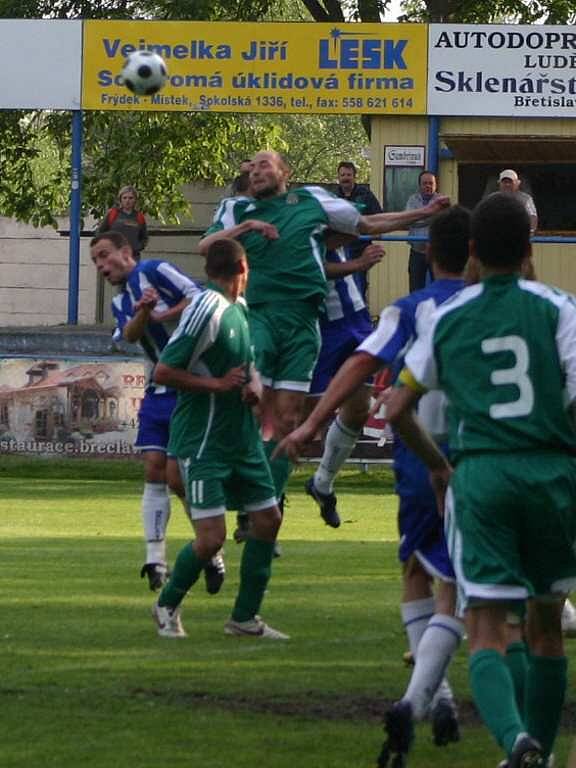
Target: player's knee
x,y
446,598
545,628
208,543
286,421
155,467
174,479
354,414
266,524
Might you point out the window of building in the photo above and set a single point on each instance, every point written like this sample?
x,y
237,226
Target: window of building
x,y
553,187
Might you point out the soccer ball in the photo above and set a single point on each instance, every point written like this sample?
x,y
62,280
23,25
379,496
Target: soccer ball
x,y
144,73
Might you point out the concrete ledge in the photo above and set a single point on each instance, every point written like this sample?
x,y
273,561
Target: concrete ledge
x,y
63,341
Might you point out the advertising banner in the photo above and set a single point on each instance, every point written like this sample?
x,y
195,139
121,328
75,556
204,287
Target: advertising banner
x,y
490,70
42,64
69,407
287,67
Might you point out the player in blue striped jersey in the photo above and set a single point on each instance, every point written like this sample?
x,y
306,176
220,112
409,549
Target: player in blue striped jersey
x,y
344,325
147,309
432,628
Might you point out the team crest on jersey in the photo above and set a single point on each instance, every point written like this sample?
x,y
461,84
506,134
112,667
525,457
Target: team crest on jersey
x,y
291,198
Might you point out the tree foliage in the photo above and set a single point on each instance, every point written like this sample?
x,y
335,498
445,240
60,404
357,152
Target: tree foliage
x,y
159,152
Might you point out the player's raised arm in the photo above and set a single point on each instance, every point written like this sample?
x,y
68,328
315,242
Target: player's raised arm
x,y
250,225
379,223
401,415
371,256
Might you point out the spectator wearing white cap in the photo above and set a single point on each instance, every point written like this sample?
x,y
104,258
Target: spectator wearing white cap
x,y
509,182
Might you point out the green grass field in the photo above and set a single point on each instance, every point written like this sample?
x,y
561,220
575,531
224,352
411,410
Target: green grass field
x,y
86,683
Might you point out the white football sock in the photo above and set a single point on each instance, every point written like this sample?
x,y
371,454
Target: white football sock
x,y
439,641
155,516
443,693
415,616
339,444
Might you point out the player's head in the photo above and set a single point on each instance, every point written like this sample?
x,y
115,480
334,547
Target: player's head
x,y
226,261
449,237
427,183
346,175
500,233
241,184
508,181
112,256
127,197
269,174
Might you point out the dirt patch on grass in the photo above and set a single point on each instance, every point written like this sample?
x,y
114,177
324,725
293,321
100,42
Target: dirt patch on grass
x,y
309,706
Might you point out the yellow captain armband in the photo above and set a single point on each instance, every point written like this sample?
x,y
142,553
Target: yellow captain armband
x,y
406,377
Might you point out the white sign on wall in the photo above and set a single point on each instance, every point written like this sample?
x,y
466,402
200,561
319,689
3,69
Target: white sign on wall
x,y
404,156
493,70
42,64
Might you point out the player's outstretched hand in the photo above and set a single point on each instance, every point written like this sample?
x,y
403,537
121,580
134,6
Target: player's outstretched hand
x,y
266,230
371,256
438,204
251,395
293,444
232,379
148,300
380,402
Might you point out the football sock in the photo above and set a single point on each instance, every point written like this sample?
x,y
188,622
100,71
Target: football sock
x,y
517,661
281,467
255,570
443,693
545,690
440,639
415,616
338,445
155,516
187,568
493,692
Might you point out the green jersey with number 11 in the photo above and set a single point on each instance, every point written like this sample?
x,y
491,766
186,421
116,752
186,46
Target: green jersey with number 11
x,y
504,353
212,337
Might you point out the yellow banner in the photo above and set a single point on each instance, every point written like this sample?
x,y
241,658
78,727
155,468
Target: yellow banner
x,y
242,67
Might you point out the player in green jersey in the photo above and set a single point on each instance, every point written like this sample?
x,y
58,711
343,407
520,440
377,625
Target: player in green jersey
x,y
283,234
503,351
216,438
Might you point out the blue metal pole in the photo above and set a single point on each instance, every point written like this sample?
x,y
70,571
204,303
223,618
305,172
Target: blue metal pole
x,y
433,144
75,211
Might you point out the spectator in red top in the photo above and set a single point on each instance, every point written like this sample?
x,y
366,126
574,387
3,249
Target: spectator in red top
x,y
125,218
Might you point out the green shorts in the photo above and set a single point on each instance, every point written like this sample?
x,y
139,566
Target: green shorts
x,y
286,340
511,525
241,483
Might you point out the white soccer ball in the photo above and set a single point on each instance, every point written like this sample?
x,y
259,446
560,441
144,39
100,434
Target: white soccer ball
x,y
144,73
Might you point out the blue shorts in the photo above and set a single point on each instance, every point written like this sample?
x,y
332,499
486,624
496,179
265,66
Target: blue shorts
x,y
154,421
339,342
422,534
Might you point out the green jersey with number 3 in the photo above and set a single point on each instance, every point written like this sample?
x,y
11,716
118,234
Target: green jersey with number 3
x,y
504,353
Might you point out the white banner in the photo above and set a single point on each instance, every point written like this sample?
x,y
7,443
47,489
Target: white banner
x,y
492,70
404,156
42,64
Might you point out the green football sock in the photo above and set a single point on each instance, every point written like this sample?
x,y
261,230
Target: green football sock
x,y
187,568
517,661
281,467
545,691
255,570
493,692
